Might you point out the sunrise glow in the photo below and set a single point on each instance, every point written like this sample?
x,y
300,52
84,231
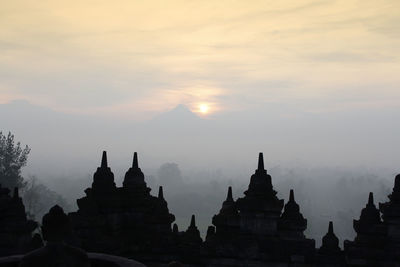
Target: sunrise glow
x,y
139,58
203,108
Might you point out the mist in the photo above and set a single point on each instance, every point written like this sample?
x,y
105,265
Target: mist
x,y
331,160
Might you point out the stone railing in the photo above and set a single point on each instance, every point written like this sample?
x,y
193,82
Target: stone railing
x,y
96,260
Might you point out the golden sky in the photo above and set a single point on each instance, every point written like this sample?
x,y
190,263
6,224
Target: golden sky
x,y
139,57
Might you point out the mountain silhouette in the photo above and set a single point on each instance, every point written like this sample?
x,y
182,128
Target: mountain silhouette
x,y
180,113
176,123
56,137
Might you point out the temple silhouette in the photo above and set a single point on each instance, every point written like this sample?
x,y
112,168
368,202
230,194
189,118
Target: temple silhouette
x,y
15,229
258,229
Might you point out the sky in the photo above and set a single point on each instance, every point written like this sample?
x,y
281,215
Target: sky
x,y
312,84
136,59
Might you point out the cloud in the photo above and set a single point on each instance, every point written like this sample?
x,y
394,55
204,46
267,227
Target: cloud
x,y
148,56
352,57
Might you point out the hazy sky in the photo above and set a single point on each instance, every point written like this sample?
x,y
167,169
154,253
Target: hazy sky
x,y
132,58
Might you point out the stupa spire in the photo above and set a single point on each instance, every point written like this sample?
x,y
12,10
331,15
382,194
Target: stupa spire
x,y
371,199
104,163
390,209
330,228
260,161
291,196
103,178
369,217
210,233
134,178
192,234
330,242
192,222
229,196
135,164
160,193
292,223
397,183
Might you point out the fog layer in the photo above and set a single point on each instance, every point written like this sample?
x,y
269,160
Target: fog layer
x,y
332,160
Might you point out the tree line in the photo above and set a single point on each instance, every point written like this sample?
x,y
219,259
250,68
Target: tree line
x,y
36,196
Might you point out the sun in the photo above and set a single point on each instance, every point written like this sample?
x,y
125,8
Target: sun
x,y
203,108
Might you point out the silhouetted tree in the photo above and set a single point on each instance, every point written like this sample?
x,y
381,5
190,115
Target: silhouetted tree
x,y
12,159
170,174
38,199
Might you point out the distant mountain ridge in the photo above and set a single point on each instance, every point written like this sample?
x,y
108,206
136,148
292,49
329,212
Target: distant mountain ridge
x,y
321,138
179,113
